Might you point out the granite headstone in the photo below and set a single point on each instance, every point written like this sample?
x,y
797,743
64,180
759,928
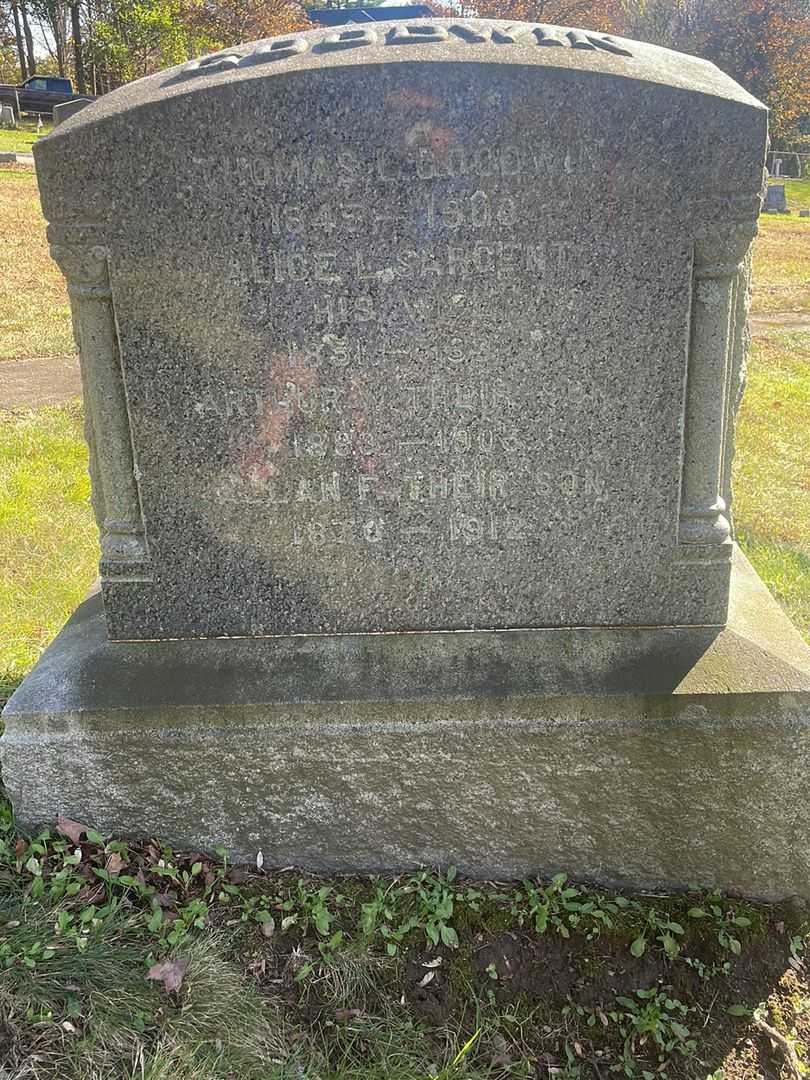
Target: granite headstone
x,y
438,329
443,324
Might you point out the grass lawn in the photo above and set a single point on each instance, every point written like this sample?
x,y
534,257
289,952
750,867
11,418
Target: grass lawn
x,y
772,469
34,308
782,263
48,539
23,138
281,976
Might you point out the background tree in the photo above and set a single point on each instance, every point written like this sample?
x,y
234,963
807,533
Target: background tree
x,y
52,19
219,23
121,40
31,62
16,42
18,39
78,47
9,52
591,14
132,38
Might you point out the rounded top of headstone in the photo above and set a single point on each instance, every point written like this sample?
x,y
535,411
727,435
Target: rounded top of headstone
x,y
461,40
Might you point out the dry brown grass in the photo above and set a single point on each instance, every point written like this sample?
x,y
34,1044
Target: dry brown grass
x,y
782,265
34,308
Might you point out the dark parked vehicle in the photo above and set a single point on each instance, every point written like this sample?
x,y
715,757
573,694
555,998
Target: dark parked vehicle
x,y
38,94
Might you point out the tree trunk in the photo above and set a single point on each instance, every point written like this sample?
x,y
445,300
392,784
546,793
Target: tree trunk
x,y
29,40
89,53
18,35
61,40
78,58
56,17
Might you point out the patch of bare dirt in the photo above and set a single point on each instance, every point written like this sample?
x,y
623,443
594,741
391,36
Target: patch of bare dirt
x,y
779,320
42,380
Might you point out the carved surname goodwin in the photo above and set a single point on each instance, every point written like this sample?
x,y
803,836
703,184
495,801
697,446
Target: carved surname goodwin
x,y
419,34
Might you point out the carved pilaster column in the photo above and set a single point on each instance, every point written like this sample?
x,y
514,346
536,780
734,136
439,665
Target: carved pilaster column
x,y
719,283
117,505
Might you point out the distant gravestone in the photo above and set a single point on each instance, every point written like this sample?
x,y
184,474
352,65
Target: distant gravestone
x,y
7,117
777,167
775,200
410,389
69,108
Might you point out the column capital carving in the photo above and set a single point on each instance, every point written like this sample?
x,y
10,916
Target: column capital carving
x,y
720,251
84,267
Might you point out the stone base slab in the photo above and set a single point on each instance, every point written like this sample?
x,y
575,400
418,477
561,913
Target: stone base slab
x,y
663,758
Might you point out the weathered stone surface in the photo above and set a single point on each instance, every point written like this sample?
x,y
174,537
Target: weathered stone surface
x,y
775,199
663,757
411,327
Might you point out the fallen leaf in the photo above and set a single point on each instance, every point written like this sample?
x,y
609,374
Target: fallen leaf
x,y
169,972
433,963
71,829
114,864
259,860
19,847
428,978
